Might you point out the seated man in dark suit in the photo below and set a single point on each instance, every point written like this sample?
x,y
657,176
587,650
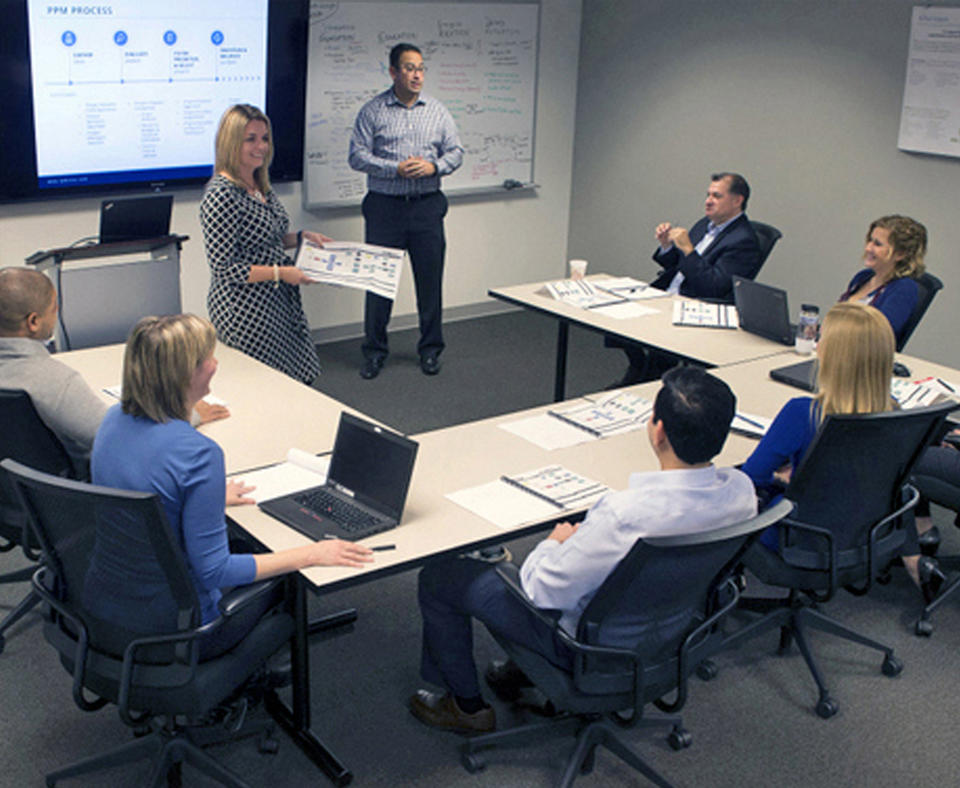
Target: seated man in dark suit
x,y
701,262
690,421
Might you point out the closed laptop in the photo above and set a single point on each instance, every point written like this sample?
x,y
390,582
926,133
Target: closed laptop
x,y
763,310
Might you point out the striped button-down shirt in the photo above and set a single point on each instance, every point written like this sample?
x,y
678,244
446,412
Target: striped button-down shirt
x,y
387,132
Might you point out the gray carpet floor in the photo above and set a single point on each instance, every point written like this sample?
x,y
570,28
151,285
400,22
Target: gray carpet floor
x,y
752,725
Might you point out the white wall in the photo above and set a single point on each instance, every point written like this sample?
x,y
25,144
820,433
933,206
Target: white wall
x,y
801,96
490,240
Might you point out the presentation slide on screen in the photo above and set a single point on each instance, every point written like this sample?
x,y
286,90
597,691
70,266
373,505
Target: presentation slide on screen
x,y
125,88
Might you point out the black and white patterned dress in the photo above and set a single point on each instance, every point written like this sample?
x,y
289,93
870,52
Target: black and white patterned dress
x,y
260,319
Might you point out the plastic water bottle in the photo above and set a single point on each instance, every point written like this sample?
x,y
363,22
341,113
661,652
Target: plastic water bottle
x,y
807,329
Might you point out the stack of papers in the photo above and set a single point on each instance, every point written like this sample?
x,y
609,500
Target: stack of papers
x,y
581,293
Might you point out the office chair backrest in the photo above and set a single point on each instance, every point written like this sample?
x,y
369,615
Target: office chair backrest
x,y
663,587
928,286
25,438
767,237
114,561
852,475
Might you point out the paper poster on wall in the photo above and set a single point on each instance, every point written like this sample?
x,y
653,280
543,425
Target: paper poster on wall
x,y
481,63
930,118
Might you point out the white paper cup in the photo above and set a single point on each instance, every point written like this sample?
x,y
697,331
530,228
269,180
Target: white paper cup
x,y
578,269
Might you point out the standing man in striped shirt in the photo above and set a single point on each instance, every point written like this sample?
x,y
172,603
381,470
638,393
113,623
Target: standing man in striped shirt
x,y
405,141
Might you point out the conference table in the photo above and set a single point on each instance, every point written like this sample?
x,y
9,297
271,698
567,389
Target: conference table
x,y
271,413
709,347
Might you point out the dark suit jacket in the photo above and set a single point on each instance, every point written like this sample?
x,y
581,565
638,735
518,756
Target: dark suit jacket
x,y
735,252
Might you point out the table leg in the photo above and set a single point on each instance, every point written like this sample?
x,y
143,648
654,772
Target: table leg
x,y
560,379
296,720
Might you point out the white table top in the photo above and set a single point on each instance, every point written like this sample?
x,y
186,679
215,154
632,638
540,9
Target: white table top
x,y
713,346
269,412
465,456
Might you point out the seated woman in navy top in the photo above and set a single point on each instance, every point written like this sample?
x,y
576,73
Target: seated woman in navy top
x,y
146,444
855,364
893,258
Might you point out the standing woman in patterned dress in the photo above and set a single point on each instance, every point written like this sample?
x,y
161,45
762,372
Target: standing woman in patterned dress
x,y
254,298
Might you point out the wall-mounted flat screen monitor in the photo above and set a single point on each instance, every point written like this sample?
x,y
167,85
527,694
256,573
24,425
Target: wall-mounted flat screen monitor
x,y
127,94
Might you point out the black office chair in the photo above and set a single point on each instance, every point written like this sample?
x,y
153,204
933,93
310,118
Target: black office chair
x,y
147,661
767,237
929,286
25,438
851,493
666,596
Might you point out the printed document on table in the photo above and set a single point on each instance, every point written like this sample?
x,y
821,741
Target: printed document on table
x,y
750,424
548,432
360,266
701,313
580,293
630,288
301,471
502,504
625,310
920,393
612,414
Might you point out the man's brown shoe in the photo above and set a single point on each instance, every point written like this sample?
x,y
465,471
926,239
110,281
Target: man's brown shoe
x,y
441,711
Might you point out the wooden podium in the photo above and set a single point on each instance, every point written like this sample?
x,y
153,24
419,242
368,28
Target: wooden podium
x,y
104,289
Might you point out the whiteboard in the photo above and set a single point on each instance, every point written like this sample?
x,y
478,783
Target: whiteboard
x,y
481,63
930,116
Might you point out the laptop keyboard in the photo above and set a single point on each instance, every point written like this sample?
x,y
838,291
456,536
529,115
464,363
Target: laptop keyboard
x,y
348,516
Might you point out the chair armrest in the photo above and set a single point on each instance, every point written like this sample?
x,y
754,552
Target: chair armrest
x,y
238,598
827,535
510,574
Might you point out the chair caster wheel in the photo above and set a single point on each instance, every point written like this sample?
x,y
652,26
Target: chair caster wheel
x,y
884,578
891,666
142,730
826,708
472,763
707,670
923,628
679,738
268,745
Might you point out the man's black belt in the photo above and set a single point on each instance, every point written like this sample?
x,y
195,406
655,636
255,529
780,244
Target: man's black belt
x,y
408,197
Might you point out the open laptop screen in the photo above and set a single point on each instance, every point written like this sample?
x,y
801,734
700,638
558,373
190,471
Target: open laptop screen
x,y
373,463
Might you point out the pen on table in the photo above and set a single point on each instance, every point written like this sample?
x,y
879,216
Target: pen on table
x,y
946,385
379,548
756,424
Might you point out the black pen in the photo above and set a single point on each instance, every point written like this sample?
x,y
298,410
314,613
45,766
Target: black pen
x,y
381,547
946,385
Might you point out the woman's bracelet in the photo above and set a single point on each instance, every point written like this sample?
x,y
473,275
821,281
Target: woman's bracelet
x,y
276,276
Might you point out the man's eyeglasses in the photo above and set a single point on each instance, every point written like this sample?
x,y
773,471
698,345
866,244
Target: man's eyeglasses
x,y
410,68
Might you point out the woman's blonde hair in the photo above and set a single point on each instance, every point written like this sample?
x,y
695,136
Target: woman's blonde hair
x,y
855,355
907,237
161,356
230,134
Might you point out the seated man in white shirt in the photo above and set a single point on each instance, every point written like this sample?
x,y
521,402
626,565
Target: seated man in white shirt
x,y
689,425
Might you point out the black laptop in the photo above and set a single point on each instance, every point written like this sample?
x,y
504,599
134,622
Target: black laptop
x,y
135,218
763,310
366,485
802,375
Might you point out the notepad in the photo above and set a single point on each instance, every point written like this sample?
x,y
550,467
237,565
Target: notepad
x,y
750,424
621,412
534,495
300,471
